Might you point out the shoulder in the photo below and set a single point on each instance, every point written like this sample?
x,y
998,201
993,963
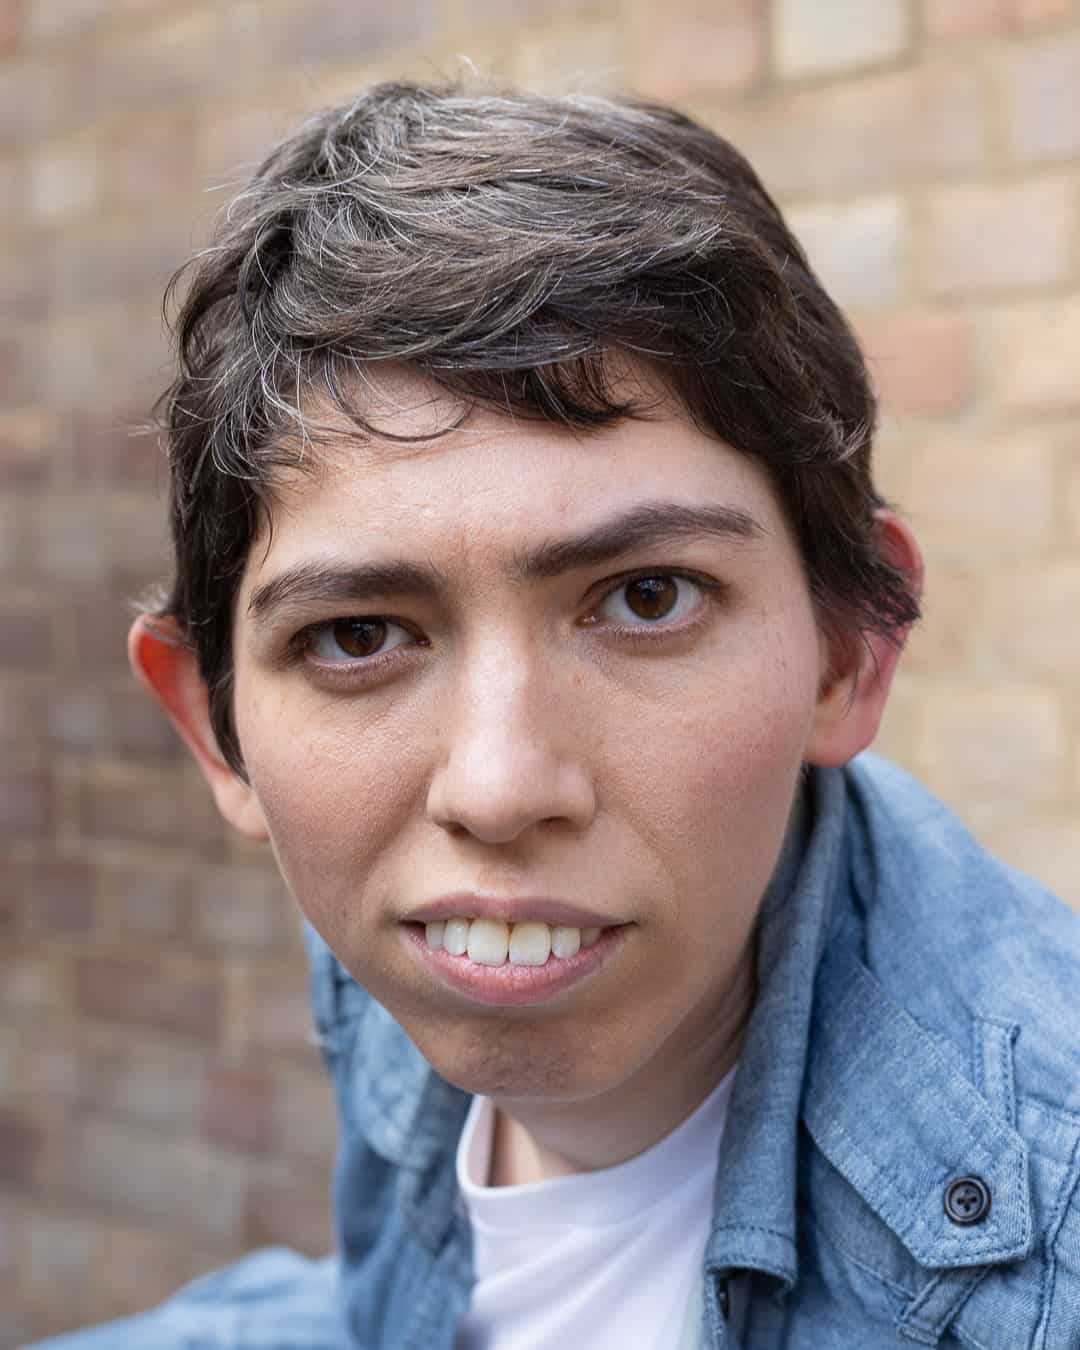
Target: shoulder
x,y
960,937
948,1047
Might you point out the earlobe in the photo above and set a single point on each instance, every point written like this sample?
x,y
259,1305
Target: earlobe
x,y
859,671
167,665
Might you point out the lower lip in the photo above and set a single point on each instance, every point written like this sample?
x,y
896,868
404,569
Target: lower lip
x,y
510,986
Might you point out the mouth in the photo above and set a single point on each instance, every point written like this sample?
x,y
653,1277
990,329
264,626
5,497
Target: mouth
x,y
492,942
511,964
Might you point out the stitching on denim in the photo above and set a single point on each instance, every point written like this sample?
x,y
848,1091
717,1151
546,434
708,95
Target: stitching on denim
x,y
900,1290
944,1240
1053,1233
936,1057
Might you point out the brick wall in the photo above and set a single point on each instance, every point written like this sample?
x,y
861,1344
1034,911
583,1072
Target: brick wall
x,y
160,1107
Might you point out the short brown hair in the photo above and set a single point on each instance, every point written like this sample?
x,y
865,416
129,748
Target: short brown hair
x,y
505,245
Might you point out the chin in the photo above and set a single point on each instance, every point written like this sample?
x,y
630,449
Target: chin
x,y
508,1060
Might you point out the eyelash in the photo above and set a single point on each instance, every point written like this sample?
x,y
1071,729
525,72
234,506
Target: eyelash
x,y
301,644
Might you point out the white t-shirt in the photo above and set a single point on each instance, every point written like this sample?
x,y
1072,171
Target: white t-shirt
x,y
606,1259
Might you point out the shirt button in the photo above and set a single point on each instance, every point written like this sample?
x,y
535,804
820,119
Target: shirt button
x,y
724,1299
967,1200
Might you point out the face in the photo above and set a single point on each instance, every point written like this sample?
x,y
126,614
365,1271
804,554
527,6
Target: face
x,y
532,678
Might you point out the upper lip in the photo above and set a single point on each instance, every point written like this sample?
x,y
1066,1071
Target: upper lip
x,y
510,909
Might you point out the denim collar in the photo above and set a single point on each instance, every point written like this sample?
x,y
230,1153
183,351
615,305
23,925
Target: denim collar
x,y
887,1101
825,1046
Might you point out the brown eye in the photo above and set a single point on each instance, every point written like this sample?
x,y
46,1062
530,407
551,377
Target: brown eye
x,y
355,639
359,637
652,597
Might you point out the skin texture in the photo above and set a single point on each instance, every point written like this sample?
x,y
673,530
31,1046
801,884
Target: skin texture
x,y
518,741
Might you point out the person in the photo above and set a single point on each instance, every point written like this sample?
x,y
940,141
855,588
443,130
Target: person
x,y
534,603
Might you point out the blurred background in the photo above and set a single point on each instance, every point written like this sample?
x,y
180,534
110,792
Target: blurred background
x,y
161,1107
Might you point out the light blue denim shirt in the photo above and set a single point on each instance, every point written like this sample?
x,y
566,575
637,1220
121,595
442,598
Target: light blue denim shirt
x,y
902,1157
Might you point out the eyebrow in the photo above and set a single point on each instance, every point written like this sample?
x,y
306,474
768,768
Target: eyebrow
x,y
647,525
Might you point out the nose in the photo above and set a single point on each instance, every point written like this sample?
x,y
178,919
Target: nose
x,y
510,758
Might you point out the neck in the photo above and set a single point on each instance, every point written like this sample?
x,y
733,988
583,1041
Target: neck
x,y
537,1140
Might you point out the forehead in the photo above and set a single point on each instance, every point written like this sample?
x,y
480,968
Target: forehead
x,y
455,485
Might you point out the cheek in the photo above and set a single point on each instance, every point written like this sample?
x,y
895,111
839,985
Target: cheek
x,y
723,775
333,795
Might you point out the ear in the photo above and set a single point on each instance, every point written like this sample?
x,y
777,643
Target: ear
x,y
858,671
166,664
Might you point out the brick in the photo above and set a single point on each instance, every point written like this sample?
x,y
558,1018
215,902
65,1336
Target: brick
x,y
69,538
183,56
305,1116
1047,848
12,23
57,1065
26,802
230,143
64,182
26,633
953,19
291,1209
170,1182
944,640
238,1109
94,626
1036,365
153,160
156,1085
146,992
106,450
75,719
34,100
688,47
21,1145
281,1014
135,725
11,517
587,56
1031,620
47,20
1041,84
814,39
324,32
143,899
133,1268
973,231
26,437
984,497
31,985
1034,13
59,897
922,361
17,1325
152,803
868,135
105,357
241,908
1072,493
58,1249
120,260
859,250
23,715
12,180
137,542
976,744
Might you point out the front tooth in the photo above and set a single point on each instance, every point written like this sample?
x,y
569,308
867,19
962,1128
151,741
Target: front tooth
x,y
530,944
456,936
565,942
489,941
589,936
434,934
